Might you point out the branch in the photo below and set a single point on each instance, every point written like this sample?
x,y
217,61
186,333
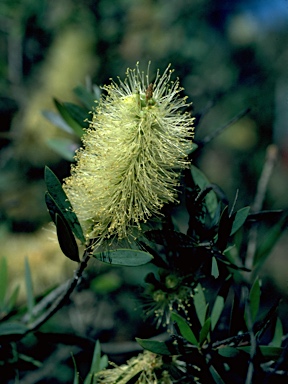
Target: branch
x,y
217,132
58,304
271,157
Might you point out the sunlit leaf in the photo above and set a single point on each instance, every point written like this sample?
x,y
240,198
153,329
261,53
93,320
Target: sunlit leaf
x,y
184,328
124,257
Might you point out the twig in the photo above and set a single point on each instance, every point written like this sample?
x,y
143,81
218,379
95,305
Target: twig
x,y
217,132
62,299
253,341
271,156
46,301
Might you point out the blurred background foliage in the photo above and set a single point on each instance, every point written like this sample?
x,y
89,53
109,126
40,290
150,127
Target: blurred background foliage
x,y
228,55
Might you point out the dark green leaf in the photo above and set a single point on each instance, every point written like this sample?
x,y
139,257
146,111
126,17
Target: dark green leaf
x,y
184,328
201,180
170,238
200,304
216,311
53,208
124,257
217,378
254,299
239,219
64,147
29,288
79,114
269,353
86,98
98,363
62,109
59,196
228,351
278,334
204,333
66,239
214,268
158,347
224,230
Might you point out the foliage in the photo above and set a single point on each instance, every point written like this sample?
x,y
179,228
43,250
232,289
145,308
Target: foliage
x,y
200,293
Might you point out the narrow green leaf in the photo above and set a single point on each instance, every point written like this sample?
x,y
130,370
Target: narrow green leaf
x,y
216,311
62,109
239,219
201,180
66,239
254,299
214,268
268,242
228,351
124,257
200,304
13,298
158,347
29,288
217,378
79,114
269,353
12,328
86,98
76,373
64,147
278,334
224,229
3,281
57,193
57,120
184,328
204,333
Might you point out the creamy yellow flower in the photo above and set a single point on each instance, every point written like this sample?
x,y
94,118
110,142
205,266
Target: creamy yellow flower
x,y
132,155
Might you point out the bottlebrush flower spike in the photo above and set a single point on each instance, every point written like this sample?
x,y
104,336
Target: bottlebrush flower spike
x,y
132,155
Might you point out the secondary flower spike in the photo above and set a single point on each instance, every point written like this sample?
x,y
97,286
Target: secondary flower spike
x,y
132,155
